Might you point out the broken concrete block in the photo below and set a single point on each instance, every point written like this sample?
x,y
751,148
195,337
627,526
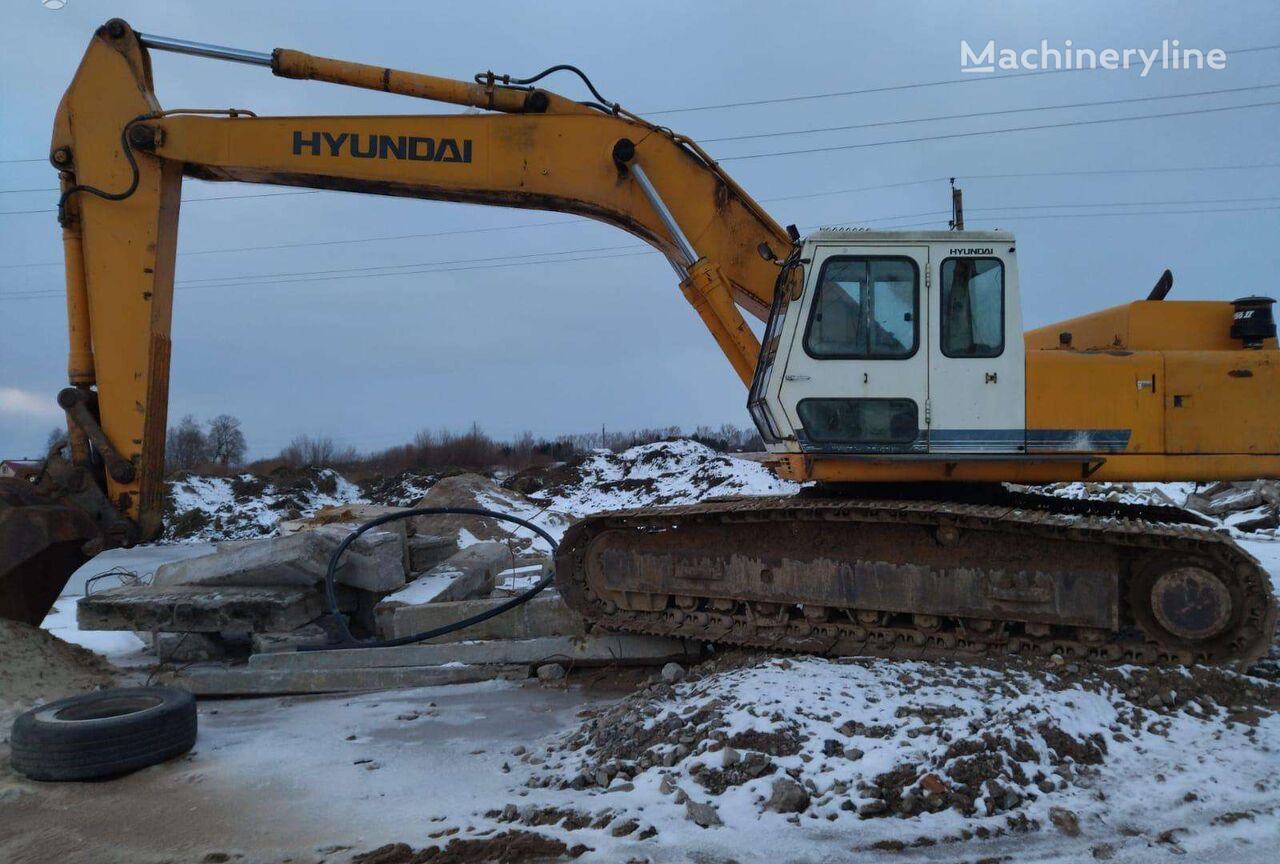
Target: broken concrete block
x,y
544,615
299,559
188,647
355,515
604,649
428,550
318,632
224,680
376,559
198,609
469,574
373,562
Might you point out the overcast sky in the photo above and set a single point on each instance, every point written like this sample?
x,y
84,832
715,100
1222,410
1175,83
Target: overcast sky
x,y
567,347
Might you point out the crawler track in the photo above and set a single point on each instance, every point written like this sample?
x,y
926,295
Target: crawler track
x,y
1024,574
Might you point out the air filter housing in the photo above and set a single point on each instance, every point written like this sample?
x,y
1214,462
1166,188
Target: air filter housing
x,y
1253,321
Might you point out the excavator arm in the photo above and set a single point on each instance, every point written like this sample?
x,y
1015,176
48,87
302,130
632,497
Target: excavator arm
x,y
123,158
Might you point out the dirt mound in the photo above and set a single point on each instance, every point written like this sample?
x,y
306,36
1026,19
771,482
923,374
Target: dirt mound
x,y
36,666
509,847
248,506
399,490
667,472
1004,748
478,491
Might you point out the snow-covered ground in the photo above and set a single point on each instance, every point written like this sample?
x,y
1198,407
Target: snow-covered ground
x,y
667,472
206,507
872,756
918,761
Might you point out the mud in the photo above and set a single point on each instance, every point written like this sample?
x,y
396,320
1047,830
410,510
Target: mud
x,y
508,847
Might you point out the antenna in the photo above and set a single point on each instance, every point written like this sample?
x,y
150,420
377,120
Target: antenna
x,y
957,207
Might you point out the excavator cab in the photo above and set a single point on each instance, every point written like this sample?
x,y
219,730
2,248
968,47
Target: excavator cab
x,y
897,345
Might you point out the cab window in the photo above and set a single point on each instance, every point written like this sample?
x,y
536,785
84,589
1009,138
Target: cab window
x,y
972,307
866,307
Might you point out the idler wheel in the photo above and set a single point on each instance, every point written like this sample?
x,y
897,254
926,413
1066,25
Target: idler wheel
x,y
1191,603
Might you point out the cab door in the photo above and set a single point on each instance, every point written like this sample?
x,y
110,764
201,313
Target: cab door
x,y
976,354
856,378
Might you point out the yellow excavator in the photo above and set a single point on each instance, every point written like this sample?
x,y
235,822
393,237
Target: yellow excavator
x,y
893,378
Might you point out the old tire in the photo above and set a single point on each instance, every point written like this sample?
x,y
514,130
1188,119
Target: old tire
x,y
103,734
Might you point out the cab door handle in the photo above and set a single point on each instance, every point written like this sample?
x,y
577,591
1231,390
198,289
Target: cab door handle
x,y
795,377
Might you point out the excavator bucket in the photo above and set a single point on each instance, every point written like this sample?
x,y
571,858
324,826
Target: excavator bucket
x,y
41,545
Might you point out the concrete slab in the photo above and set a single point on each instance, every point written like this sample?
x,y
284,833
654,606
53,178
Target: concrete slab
x,y
354,515
198,609
319,632
225,680
299,559
373,563
469,574
544,615
428,550
607,649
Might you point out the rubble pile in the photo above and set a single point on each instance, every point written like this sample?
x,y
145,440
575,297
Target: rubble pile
x,y
667,472
248,506
1247,506
478,491
266,595
399,490
964,751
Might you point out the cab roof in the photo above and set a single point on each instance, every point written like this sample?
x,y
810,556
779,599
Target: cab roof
x,y
858,235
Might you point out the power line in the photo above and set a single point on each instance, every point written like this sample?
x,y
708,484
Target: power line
x,y
895,87
341,242
491,262
187,201
835,93
301,275
1016,217
404,266
1062,125
878,124
984,114
54,293
1104,171
1117,171
1125,203
838,147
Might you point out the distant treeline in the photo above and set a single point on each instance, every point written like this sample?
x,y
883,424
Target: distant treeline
x,y
445,449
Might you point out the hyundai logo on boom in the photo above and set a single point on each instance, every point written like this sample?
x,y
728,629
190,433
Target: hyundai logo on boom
x,y
372,146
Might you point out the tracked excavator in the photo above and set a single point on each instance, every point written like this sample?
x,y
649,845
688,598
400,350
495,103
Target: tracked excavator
x,y
893,378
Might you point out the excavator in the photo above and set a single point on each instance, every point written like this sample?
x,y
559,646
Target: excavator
x,y
893,380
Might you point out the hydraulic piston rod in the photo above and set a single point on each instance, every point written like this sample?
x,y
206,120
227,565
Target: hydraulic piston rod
x,y
201,49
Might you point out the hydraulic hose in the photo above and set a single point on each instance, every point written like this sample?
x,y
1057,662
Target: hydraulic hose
x,y
346,640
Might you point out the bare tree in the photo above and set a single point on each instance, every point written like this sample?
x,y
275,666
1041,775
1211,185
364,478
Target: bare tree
x,y
56,435
226,441
186,446
319,452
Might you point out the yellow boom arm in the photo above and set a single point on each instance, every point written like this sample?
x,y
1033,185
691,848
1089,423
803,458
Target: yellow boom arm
x,y
123,159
